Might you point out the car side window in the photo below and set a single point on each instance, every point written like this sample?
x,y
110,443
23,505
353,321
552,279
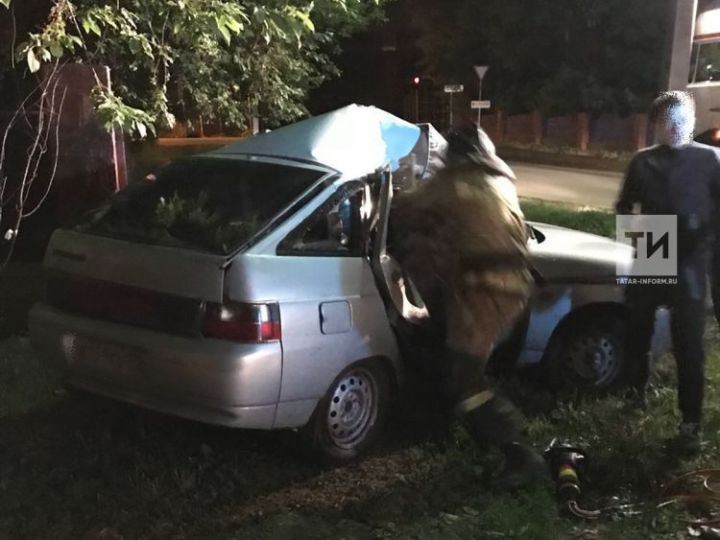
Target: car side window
x,y
334,229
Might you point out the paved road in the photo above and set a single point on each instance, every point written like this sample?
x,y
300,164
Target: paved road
x,y
597,189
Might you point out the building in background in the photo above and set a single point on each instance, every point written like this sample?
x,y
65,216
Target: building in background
x,y
377,66
695,57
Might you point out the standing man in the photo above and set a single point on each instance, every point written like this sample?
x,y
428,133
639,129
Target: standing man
x,y
682,178
715,270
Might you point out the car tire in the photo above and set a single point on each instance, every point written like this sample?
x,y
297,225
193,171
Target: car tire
x,y
351,416
588,355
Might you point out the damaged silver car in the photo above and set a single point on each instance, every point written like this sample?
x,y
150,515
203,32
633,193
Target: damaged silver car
x,y
251,287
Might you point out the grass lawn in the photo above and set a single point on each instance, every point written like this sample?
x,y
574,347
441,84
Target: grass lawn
x,y
585,219
79,467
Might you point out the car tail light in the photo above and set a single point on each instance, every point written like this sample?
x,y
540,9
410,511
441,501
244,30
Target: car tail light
x,y
716,135
250,323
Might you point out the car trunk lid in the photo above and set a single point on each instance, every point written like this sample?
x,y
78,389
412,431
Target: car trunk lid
x,y
143,285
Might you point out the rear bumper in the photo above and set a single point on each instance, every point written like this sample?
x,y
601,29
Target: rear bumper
x,y
213,381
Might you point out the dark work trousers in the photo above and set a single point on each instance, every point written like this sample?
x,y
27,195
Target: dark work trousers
x,y
490,418
715,280
466,390
686,301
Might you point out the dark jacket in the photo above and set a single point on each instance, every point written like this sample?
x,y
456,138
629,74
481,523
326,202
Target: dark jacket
x,y
682,181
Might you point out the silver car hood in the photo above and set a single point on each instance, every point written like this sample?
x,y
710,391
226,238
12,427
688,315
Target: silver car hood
x,y
570,255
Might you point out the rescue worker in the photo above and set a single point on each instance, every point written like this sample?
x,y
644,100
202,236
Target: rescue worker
x,y
675,177
462,240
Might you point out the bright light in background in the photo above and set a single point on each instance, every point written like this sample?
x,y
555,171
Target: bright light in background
x,y
708,24
416,81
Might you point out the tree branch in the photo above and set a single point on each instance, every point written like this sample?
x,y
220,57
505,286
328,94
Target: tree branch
x,y
43,118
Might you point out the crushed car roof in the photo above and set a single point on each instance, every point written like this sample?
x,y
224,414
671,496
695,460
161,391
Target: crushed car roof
x,y
354,141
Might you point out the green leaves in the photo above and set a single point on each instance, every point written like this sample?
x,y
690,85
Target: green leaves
x,y
223,29
52,42
32,61
56,50
232,24
303,16
114,113
90,25
216,59
227,26
5,3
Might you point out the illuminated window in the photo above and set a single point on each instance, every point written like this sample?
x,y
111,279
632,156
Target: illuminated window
x,y
707,25
705,66
705,62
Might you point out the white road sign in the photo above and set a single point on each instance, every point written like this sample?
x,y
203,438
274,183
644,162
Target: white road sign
x,y
477,104
454,88
481,71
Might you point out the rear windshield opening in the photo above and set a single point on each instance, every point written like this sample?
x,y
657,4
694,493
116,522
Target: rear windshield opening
x,y
208,204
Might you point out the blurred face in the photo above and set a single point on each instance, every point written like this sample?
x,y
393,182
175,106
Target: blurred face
x,y
676,126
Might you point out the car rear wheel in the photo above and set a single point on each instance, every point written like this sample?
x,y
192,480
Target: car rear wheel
x,y
352,414
588,355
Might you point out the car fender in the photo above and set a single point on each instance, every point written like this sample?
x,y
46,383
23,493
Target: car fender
x,y
553,303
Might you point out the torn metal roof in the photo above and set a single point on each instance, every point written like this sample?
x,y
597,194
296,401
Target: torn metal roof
x,y
354,141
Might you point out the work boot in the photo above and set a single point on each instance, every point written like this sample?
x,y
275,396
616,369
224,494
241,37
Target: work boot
x,y
497,422
524,467
686,442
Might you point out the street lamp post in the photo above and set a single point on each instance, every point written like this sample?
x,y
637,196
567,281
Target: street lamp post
x,y
451,110
452,89
416,84
480,71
